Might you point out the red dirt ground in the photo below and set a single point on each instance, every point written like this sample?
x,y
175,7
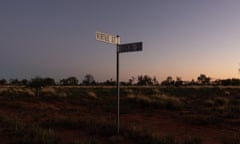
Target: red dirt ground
x,y
161,122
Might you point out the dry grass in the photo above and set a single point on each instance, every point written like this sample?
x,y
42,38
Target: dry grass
x,y
92,94
159,101
49,91
16,91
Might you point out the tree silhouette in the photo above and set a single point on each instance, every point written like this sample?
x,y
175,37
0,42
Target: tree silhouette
x,y
24,82
15,82
109,82
3,82
132,80
226,82
49,82
203,79
37,83
88,80
155,81
178,81
144,80
69,81
169,81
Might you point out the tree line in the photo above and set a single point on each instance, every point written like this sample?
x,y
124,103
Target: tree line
x,y
202,79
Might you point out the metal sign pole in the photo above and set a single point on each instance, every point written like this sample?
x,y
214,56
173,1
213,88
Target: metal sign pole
x,y
117,89
120,48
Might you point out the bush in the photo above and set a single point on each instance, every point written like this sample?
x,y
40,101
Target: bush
x,y
221,101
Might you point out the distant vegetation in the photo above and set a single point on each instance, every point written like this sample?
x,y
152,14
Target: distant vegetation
x,y
144,80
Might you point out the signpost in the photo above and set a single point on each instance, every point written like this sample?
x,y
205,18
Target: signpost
x,y
121,48
131,47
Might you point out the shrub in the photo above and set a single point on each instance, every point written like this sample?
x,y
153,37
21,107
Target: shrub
x,y
221,101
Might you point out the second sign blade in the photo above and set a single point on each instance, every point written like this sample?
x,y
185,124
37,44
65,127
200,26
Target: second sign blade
x,y
130,47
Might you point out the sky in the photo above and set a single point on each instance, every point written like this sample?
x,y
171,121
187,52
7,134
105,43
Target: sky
x,y
181,38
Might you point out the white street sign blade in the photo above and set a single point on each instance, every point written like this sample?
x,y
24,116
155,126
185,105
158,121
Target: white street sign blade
x,y
131,47
107,38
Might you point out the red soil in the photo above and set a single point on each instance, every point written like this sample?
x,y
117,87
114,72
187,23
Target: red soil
x,y
160,122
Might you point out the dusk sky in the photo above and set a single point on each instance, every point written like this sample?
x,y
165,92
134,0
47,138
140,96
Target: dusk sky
x,y
56,38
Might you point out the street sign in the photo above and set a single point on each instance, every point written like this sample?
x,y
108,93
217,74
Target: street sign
x,y
107,38
130,47
121,48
